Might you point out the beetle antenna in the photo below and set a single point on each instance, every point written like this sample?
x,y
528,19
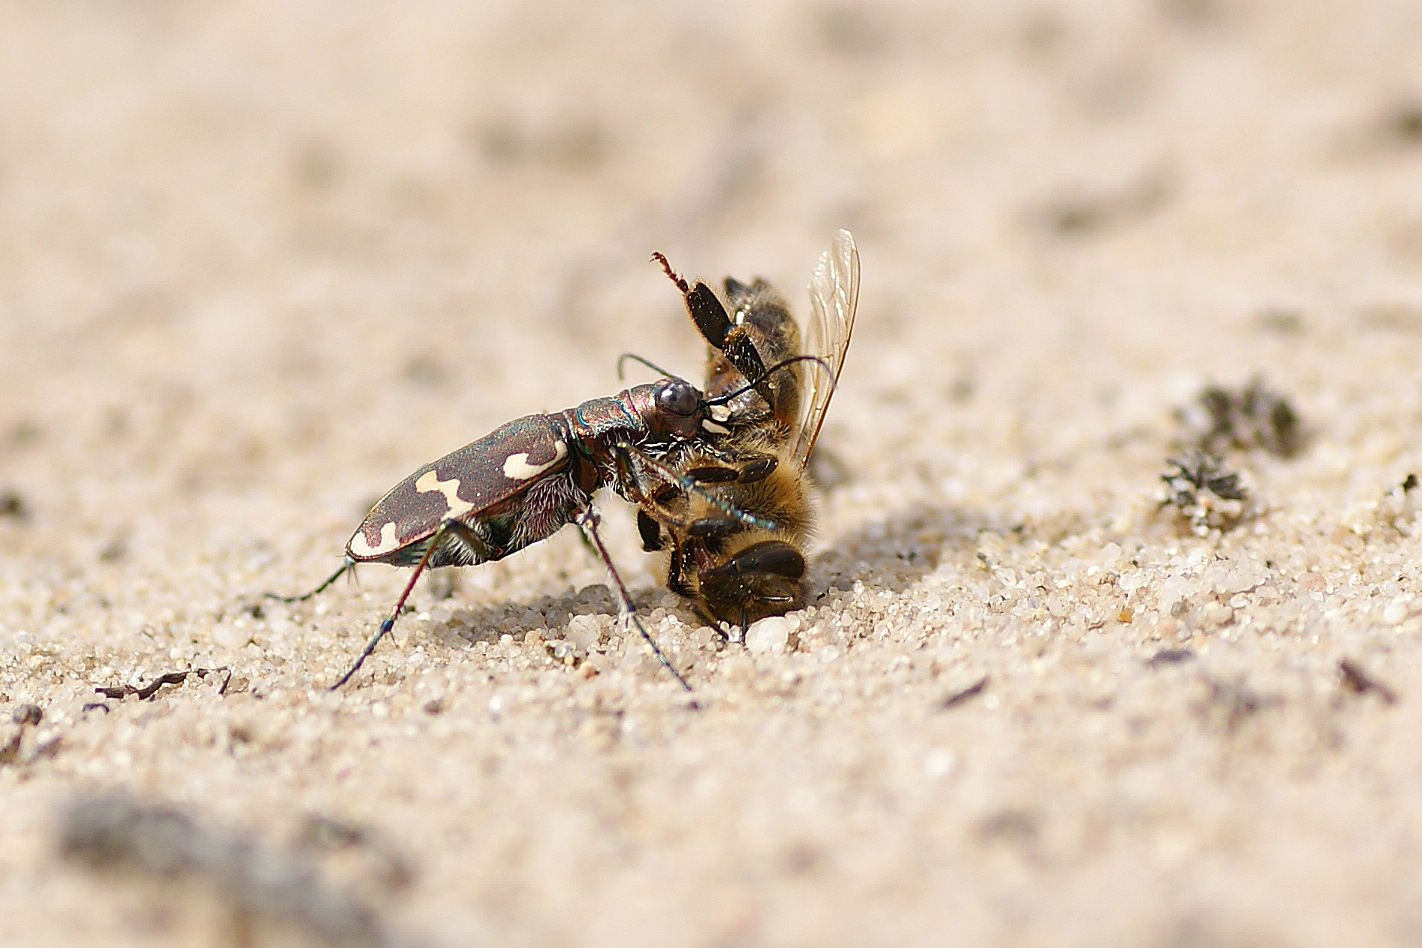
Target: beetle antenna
x,y
647,362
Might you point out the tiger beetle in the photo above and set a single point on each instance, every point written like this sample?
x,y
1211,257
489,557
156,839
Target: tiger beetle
x,y
527,479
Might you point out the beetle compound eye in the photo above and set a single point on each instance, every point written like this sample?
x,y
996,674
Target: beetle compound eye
x,y
678,396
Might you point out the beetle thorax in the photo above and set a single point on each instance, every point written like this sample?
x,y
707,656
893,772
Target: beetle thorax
x,y
671,409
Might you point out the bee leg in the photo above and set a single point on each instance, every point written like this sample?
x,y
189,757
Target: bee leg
x,y
719,625
679,566
757,468
713,528
713,475
764,579
587,520
650,530
740,351
715,326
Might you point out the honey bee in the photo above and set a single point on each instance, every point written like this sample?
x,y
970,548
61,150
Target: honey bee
x,y
735,569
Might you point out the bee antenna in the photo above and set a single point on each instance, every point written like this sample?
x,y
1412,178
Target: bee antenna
x,y
622,359
783,363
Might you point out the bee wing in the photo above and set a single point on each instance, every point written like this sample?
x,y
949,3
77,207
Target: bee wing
x,y
834,294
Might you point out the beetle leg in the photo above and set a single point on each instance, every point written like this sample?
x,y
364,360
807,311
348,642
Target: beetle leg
x,y
587,544
347,567
587,520
629,458
443,530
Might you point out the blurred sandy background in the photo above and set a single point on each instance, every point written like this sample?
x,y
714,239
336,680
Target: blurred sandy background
x,y
258,261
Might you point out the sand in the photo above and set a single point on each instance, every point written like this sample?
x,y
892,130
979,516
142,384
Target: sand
x,y
259,261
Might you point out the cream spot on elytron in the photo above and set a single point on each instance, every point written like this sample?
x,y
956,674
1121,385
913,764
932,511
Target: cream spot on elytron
x,y
430,483
386,543
517,468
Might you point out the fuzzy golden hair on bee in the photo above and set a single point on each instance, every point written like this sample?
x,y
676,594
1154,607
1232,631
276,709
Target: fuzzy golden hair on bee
x,y
772,383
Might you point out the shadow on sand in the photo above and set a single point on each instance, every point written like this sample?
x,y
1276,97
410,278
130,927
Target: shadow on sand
x,y
896,552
